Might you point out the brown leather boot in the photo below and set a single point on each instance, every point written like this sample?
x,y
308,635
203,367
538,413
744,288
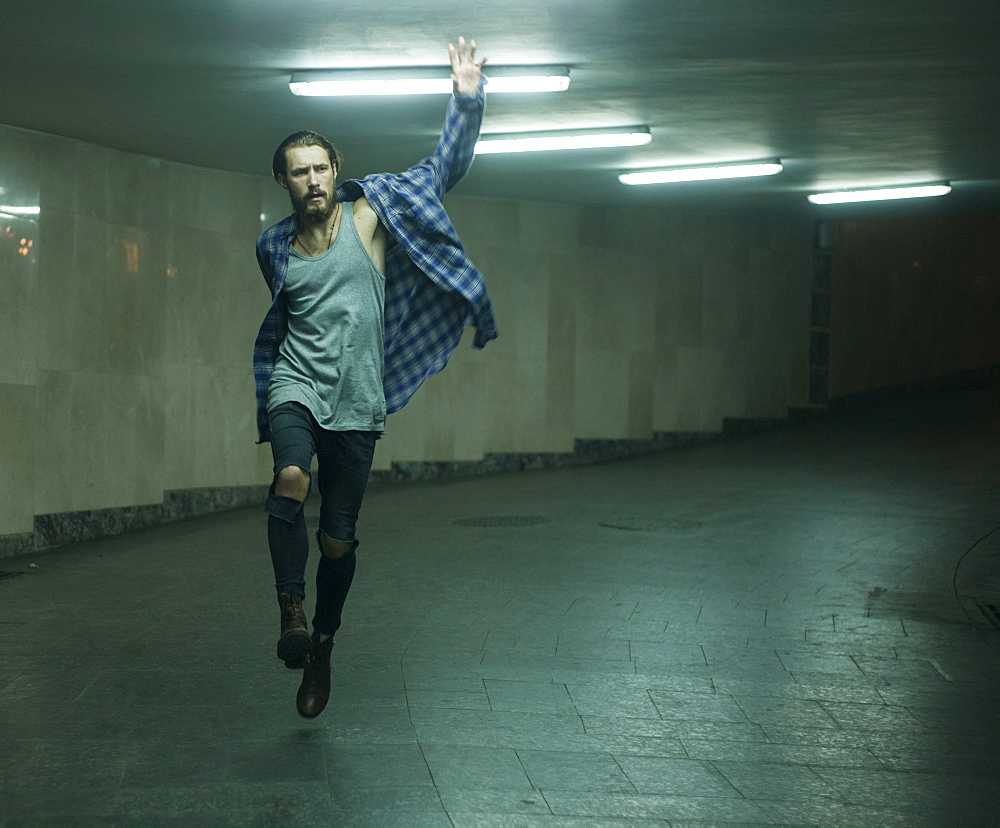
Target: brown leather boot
x,y
314,692
294,644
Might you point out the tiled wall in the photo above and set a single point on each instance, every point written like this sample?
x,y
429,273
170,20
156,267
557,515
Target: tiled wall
x,y
913,299
127,327
615,324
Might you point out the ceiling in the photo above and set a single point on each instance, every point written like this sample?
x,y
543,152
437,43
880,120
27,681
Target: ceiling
x,y
847,93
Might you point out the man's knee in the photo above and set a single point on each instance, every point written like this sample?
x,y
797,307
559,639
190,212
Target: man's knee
x,y
334,549
293,482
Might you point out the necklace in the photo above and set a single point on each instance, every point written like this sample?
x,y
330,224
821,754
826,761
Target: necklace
x,y
329,240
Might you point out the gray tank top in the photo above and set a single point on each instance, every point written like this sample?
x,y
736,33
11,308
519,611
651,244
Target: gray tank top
x,y
331,358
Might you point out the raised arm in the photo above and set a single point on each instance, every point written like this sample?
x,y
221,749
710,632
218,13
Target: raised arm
x,y
455,150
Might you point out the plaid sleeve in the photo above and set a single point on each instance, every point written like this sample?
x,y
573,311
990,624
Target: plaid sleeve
x,y
454,153
264,262
275,325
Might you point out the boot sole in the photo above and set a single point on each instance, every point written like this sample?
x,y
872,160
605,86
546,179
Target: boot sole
x,y
294,647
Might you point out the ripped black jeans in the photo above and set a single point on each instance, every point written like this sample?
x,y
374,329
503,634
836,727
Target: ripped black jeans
x,y
344,460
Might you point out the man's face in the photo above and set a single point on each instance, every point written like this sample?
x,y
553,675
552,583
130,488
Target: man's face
x,y
311,182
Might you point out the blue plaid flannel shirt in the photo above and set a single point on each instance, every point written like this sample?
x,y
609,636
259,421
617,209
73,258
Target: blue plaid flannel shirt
x,y
432,290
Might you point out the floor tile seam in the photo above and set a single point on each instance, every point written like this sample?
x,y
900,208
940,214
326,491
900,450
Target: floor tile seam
x,y
569,694
527,776
434,783
877,767
517,752
858,749
805,696
836,792
715,767
905,774
736,701
824,703
956,747
683,798
624,773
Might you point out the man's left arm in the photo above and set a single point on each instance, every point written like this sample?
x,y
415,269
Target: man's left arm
x,y
456,148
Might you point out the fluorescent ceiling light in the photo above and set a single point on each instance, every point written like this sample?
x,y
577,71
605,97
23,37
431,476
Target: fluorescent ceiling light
x,y
425,80
20,211
884,194
564,140
700,173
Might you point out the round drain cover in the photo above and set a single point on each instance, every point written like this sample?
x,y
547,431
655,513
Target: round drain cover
x,y
639,524
502,520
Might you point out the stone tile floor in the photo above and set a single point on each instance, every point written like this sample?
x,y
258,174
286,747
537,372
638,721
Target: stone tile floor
x,y
798,639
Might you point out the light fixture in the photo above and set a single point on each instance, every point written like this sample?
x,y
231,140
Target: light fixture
x,y
883,194
20,211
425,80
564,140
701,173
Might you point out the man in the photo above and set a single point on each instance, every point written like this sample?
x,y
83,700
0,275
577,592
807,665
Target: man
x,y
371,290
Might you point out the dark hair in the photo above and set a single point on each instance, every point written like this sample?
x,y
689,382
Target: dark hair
x,y
306,138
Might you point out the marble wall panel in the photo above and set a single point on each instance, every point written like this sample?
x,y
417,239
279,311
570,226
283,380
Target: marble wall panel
x,y
525,409
601,393
99,442
20,173
680,297
667,395
184,197
210,428
404,432
20,250
699,383
641,369
85,180
513,398
468,378
17,458
89,294
137,188
561,355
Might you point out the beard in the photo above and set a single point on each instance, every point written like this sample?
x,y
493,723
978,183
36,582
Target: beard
x,y
317,212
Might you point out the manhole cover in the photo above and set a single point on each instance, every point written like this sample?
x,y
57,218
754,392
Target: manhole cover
x,y
639,524
502,520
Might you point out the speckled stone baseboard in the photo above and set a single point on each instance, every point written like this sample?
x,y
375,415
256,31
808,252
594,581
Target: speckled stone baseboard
x,y
585,451
13,545
72,527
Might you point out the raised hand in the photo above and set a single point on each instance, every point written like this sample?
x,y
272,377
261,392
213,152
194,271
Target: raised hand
x,y
465,72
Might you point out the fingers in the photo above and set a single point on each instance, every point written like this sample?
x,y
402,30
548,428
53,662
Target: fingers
x,y
472,56
460,55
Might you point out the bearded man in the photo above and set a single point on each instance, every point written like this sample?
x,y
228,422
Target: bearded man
x,y
371,289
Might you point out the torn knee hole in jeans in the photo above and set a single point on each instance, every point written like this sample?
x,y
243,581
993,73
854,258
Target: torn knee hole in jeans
x,y
291,487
